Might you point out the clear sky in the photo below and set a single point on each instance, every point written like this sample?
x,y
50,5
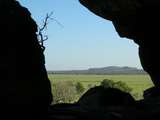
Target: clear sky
x,y
85,40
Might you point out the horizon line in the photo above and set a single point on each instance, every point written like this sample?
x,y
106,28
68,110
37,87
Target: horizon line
x,y
94,68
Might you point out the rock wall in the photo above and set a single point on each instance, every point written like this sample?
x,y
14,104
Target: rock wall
x,y
25,87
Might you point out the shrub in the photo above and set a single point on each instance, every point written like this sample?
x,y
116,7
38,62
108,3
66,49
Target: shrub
x,y
63,92
107,83
119,85
79,88
122,86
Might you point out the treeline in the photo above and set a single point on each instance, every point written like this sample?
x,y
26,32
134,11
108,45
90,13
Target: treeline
x,y
112,70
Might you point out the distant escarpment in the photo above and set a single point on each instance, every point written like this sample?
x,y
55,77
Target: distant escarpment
x,y
111,70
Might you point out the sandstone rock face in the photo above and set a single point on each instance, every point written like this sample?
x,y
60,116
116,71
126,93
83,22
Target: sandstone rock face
x,y
25,87
137,20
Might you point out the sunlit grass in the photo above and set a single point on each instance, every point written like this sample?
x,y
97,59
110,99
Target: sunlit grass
x,y
137,82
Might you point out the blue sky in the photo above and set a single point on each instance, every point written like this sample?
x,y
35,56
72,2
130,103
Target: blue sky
x,y
84,41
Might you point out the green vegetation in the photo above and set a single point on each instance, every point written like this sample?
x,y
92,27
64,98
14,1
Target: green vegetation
x,y
119,85
79,88
63,91
66,91
138,83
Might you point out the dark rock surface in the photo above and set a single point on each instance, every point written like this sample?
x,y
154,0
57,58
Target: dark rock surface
x,y
25,87
137,20
100,103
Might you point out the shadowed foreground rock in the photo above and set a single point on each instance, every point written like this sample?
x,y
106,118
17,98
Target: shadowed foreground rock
x,y
25,88
100,103
138,20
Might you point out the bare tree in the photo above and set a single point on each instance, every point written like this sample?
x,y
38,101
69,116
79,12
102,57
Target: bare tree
x,y
43,37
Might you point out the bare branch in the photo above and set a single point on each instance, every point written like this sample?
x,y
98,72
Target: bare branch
x,y
41,36
41,29
57,22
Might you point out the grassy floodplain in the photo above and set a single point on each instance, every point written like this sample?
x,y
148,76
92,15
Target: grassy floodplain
x,y
137,82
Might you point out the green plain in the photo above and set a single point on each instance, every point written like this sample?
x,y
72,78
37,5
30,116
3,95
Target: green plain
x,y
137,82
